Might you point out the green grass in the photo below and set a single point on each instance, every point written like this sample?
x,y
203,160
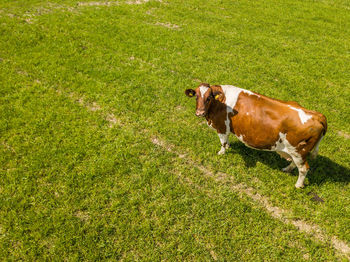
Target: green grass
x,y
74,187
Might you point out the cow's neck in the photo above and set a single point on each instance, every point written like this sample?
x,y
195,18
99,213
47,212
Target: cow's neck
x,y
217,115
216,108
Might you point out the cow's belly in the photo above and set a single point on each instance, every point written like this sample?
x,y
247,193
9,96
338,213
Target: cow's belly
x,y
261,136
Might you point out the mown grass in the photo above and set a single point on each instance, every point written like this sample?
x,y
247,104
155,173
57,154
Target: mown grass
x,y
73,187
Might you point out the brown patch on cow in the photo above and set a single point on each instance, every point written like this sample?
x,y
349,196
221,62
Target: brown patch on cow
x,y
217,110
267,117
260,131
217,115
217,91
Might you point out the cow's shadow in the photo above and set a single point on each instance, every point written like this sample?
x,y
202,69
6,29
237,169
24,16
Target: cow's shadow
x,y
322,169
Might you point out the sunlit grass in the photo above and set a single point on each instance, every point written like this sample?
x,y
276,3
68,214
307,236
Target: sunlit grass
x,y
78,186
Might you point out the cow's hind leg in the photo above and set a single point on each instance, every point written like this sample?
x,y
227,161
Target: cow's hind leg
x,y
286,156
289,168
303,167
314,151
224,143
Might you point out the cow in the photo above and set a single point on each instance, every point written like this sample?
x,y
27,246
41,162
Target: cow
x,y
262,123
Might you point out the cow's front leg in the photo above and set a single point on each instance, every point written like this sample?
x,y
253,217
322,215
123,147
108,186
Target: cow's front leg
x,y
224,143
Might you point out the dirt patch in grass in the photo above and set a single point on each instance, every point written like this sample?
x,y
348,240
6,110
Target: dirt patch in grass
x,y
84,216
168,25
111,119
8,147
97,3
111,3
344,134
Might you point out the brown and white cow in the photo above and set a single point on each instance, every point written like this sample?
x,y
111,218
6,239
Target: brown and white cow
x,y
262,123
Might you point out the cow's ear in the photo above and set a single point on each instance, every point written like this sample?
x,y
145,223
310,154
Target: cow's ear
x,y
217,95
190,92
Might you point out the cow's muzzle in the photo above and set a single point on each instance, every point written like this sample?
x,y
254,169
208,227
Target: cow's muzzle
x,y
200,113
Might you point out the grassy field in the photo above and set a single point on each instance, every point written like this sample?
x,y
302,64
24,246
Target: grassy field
x,y
102,157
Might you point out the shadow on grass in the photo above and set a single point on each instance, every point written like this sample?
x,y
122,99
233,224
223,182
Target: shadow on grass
x,y
322,169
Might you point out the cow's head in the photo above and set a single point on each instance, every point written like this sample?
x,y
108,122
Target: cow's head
x,y
204,97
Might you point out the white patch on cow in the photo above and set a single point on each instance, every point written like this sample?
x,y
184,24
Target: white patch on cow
x,y
203,90
302,115
250,92
283,145
223,138
211,126
227,123
240,138
247,113
232,93
224,143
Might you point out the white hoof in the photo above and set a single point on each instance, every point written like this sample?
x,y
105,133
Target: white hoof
x,y
222,151
299,185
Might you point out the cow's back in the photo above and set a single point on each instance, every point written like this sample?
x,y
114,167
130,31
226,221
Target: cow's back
x,y
260,120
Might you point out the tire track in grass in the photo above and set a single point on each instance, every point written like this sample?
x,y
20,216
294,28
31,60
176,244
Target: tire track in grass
x,y
186,181
223,179
243,190
110,117
226,180
112,3
50,7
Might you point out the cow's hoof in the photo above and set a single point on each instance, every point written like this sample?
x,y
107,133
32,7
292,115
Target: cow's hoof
x,y
222,151
299,186
286,170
